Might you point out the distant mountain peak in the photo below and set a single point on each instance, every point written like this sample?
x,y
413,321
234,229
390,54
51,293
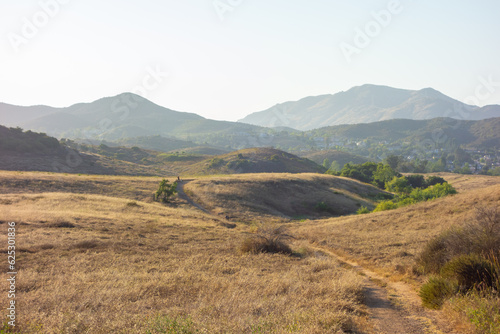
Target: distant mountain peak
x,y
365,104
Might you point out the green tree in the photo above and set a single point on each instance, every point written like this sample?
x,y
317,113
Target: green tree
x,y
383,174
393,161
326,163
399,185
416,181
165,191
334,167
494,172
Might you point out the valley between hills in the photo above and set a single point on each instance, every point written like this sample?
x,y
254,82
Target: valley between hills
x,y
166,222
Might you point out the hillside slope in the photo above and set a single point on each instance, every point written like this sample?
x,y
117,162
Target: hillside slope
x,y
389,241
365,104
252,197
254,160
474,134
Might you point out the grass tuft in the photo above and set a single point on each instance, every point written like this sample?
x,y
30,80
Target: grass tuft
x,y
267,239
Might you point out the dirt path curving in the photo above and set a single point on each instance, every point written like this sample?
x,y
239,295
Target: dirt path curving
x,y
182,194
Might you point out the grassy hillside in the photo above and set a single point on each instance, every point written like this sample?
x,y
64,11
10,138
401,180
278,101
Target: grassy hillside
x,y
96,246
280,197
107,262
389,241
255,160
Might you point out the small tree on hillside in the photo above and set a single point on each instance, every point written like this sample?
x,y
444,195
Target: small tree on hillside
x,y
165,191
326,163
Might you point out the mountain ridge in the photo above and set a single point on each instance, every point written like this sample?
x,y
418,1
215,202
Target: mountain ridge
x,y
366,104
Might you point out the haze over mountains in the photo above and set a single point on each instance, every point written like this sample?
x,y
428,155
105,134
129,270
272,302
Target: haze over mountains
x,y
366,104
111,118
131,116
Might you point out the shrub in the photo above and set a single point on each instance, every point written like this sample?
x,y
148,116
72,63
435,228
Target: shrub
x,y
406,201
165,191
470,271
398,185
434,255
416,181
435,291
322,206
267,240
484,231
432,180
362,210
484,312
385,205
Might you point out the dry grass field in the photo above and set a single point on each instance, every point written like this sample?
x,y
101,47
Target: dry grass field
x,y
281,197
111,263
96,255
388,241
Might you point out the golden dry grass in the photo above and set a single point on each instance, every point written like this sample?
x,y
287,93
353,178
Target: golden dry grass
x,y
95,255
130,187
99,264
255,197
388,241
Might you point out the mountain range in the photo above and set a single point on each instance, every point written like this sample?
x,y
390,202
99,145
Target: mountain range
x,y
113,118
127,116
367,104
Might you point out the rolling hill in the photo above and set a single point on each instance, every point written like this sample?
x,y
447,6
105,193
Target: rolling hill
x,y
251,197
366,104
473,134
254,160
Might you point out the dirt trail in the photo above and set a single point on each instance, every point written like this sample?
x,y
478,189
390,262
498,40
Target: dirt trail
x,y
184,196
384,299
394,307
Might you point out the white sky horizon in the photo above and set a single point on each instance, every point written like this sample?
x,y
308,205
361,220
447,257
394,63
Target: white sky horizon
x,y
184,57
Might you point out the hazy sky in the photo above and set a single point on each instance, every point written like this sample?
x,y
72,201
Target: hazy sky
x,y
225,59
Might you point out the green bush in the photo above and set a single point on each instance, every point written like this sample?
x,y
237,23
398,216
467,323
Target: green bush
x,y
398,185
406,201
165,191
435,291
432,180
470,271
385,205
362,210
416,181
483,311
